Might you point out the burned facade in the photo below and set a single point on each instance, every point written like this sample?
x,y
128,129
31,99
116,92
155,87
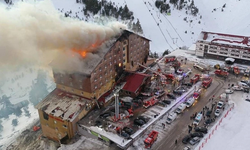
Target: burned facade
x,y
84,89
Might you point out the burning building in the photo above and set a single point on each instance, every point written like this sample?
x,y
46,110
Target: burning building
x,y
77,92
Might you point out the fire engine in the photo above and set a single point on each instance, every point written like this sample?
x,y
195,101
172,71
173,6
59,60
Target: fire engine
x,y
236,70
195,79
152,101
221,73
197,93
170,59
152,137
207,82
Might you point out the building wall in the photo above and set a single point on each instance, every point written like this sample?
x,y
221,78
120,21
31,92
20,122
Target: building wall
x,y
224,50
54,127
74,91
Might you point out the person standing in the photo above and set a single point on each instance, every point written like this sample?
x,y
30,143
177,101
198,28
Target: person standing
x,y
176,142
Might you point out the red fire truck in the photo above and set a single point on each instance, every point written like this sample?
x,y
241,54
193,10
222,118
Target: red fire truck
x,y
197,93
152,101
221,73
207,82
195,79
152,137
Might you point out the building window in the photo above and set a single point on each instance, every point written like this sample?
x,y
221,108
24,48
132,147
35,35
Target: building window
x,y
123,48
100,76
101,83
45,116
65,126
95,80
95,87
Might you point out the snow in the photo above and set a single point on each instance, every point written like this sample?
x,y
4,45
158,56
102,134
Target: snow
x,y
232,134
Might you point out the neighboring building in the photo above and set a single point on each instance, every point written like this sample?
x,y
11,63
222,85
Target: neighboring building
x,y
134,84
77,93
221,46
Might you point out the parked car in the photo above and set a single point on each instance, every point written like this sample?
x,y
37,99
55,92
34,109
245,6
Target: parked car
x,y
201,129
209,121
139,122
105,115
166,102
162,104
186,139
180,90
145,119
188,84
98,123
196,134
237,88
220,104
243,83
229,91
128,130
125,134
208,113
194,140
171,96
217,112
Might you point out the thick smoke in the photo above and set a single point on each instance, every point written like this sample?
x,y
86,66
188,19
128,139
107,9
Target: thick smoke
x,y
36,32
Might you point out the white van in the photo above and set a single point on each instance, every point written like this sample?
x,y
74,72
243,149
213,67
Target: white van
x,y
197,119
172,116
190,101
181,108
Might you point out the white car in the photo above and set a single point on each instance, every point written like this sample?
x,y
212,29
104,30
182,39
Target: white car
x,y
220,104
217,112
229,91
243,83
237,88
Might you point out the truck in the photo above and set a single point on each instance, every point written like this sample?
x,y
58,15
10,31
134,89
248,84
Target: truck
x,y
235,70
221,73
206,82
195,79
152,137
197,93
152,101
201,67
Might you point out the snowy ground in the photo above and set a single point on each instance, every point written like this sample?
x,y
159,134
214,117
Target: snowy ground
x,y
232,133
17,86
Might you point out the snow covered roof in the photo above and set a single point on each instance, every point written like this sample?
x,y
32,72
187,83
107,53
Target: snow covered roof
x,y
228,39
63,105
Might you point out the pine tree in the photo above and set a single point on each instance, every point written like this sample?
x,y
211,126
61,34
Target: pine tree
x,y
166,52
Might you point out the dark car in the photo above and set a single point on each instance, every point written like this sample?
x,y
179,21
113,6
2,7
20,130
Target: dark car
x,y
166,102
209,121
201,129
105,115
125,134
143,118
180,90
162,104
196,134
139,122
128,130
126,104
186,139
98,123
188,84
171,96
208,113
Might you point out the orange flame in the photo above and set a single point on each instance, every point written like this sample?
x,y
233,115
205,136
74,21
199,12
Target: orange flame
x,y
83,53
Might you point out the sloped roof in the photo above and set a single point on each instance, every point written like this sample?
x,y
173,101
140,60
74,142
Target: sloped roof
x,y
134,81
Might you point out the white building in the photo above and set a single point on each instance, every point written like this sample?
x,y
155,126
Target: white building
x,y
221,46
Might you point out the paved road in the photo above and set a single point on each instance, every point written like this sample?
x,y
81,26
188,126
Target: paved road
x,y
180,127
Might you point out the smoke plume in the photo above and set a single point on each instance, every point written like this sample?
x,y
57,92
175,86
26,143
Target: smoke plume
x,y
36,32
